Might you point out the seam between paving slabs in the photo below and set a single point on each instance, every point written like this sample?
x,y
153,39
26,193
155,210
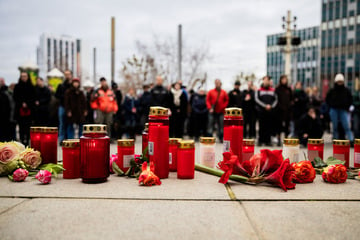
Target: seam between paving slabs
x,y
14,206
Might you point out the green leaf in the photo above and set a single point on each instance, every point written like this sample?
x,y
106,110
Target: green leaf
x,y
10,177
116,169
333,161
143,155
53,168
318,163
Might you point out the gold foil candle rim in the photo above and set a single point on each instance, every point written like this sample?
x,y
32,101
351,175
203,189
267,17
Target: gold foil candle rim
x,y
186,144
315,141
36,129
70,143
207,140
249,142
94,128
49,130
236,112
126,142
291,141
357,141
158,111
174,141
341,142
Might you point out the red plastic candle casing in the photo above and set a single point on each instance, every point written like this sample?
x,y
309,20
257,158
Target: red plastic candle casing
x,y
341,151
145,141
357,153
158,145
126,150
233,131
49,145
173,149
35,137
71,158
186,160
94,153
315,149
248,149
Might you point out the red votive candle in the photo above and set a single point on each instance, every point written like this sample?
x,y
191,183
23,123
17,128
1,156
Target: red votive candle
x,y
173,149
341,151
159,140
35,137
145,141
233,131
126,150
186,159
49,144
315,148
248,149
94,153
357,153
71,158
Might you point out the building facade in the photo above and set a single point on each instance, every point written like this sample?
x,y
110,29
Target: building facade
x,y
63,52
304,58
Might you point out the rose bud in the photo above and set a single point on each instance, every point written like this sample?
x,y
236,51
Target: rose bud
x,y
20,175
44,176
335,174
304,172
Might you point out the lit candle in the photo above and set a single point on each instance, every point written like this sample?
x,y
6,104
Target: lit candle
x,y
341,151
315,149
186,160
233,131
173,149
291,149
207,151
35,137
248,149
145,140
71,158
49,144
126,150
357,153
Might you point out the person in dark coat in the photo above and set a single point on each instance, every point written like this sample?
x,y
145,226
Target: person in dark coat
x,y
285,100
5,112
309,126
160,96
42,100
130,106
144,106
235,98
53,108
178,111
89,90
199,114
248,107
301,101
75,108
118,116
24,95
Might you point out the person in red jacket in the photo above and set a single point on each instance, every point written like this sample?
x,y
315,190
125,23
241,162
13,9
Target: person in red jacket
x,y
216,102
104,103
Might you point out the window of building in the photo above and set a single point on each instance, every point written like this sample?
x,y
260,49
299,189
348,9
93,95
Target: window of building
x,y
55,53
350,41
351,27
337,9
344,9
331,11
48,54
343,36
358,8
61,55
351,13
329,38
336,37
324,11
323,39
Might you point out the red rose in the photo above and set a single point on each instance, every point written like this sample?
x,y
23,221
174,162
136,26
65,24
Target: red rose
x,y
147,176
282,177
304,172
44,176
335,174
20,175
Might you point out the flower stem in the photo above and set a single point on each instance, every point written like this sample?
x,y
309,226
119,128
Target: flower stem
x,y
219,173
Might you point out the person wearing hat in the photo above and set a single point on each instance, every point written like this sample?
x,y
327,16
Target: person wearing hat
x,y
235,98
339,99
75,108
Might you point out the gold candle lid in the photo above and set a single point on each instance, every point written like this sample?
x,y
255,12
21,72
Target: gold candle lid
x,y
70,143
174,141
291,141
36,129
49,129
341,142
236,112
146,128
186,144
207,140
357,141
125,142
315,141
94,128
158,111
249,142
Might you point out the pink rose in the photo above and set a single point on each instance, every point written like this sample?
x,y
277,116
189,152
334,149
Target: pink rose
x,y
20,175
31,158
44,176
8,152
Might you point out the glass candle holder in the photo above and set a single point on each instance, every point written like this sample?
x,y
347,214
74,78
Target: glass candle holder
x,y
341,151
315,148
49,144
186,160
159,140
145,141
126,150
207,151
71,158
233,131
248,149
291,149
357,153
173,149
35,137
94,153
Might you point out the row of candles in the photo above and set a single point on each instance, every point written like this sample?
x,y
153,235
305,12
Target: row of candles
x,y
88,157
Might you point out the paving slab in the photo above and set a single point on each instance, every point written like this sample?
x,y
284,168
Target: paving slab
x,y
203,187
304,220
318,190
125,219
7,203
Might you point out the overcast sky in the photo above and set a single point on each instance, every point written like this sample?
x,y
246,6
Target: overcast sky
x,y
234,30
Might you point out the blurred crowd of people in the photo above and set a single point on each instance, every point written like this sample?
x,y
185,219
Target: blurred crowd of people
x,y
295,112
